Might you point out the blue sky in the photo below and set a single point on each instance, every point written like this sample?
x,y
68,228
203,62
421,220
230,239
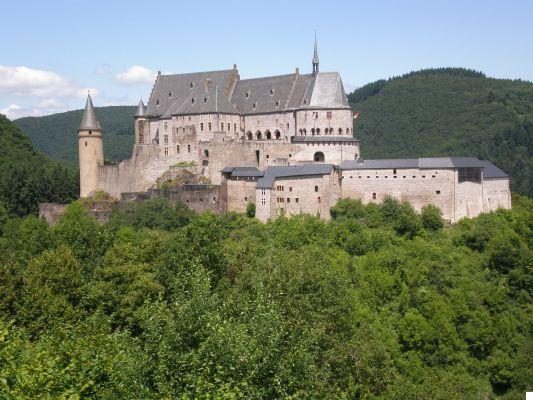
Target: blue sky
x,y
52,51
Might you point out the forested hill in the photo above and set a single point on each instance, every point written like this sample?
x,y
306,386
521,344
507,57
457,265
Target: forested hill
x,y
56,134
449,111
27,177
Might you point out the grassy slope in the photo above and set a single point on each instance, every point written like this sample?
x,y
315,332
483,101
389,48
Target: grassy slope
x,y
55,134
449,112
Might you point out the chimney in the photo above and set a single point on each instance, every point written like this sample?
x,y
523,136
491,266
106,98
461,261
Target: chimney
x,y
297,71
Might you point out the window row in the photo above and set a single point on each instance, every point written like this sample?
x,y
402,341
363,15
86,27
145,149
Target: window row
x,y
267,135
327,131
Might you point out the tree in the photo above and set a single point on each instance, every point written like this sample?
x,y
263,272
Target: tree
x,y
432,218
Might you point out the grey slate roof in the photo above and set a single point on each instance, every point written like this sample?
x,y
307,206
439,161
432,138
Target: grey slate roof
x,y
450,162
273,173
212,100
177,88
89,122
259,95
226,93
315,139
243,171
141,109
490,171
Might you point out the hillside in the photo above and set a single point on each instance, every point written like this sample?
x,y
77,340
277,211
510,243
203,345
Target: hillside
x,y
449,111
55,134
27,177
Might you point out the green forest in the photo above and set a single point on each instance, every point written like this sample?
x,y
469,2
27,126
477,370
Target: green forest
x,y
449,112
27,177
162,303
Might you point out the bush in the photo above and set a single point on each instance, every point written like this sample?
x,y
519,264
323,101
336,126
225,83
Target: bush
x,y
432,218
250,210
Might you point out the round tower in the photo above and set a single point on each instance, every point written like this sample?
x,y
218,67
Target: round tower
x,y
141,125
91,150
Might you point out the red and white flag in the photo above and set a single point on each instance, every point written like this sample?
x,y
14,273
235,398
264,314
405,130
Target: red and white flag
x,y
356,115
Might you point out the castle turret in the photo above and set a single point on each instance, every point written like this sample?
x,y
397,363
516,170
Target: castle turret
x,y
315,59
140,124
91,149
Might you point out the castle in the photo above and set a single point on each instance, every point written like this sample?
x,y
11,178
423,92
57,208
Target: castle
x,y
282,142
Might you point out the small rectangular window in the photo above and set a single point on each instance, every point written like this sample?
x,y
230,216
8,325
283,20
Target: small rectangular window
x,y
245,198
394,171
373,196
234,127
201,126
296,199
288,200
316,188
166,151
319,200
437,192
189,148
222,126
229,127
178,148
263,201
290,188
209,124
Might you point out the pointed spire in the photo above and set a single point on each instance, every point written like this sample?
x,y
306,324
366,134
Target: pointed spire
x,y
89,121
141,110
315,58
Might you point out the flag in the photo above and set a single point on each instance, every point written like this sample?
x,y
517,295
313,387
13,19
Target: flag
x,y
356,115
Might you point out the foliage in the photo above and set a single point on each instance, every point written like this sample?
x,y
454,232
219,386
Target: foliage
x,y
250,210
160,303
27,177
449,111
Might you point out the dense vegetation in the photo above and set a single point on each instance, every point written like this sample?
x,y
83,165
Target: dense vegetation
x,y
449,111
161,303
56,135
27,177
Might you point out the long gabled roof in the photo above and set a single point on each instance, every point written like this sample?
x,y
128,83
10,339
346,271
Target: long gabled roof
x,y
223,92
409,163
273,173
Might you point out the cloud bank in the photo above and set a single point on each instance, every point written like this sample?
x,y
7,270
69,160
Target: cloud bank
x,y
134,75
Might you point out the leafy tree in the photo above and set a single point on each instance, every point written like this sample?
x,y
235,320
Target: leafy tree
x,y
432,218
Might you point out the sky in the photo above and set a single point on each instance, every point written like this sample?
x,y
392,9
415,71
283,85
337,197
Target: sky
x,y
53,52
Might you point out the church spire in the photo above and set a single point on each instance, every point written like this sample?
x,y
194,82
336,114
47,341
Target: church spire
x,y
315,59
89,121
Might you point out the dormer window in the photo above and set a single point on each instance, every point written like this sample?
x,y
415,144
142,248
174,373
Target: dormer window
x,y
277,103
192,85
272,92
157,102
193,100
169,95
205,99
248,94
255,106
305,101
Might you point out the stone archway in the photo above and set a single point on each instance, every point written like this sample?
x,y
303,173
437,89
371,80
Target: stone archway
x,y
319,157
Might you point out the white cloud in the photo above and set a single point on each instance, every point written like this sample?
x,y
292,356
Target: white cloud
x,y
135,74
24,81
12,111
45,107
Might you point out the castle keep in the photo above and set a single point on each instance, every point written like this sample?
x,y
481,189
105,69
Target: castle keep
x,y
282,142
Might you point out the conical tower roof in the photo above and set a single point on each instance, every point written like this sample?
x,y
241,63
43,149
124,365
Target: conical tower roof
x,y
89,121
141,109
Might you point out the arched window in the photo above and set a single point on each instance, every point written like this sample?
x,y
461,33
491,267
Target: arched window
x,y
258,135
277,134
318,131
319,157
250,136
268,135
301,131
331,131
313,131
347,130
340,131
305,132
206,153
